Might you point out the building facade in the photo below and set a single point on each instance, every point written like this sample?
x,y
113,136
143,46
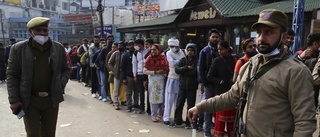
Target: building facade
x,y
232,17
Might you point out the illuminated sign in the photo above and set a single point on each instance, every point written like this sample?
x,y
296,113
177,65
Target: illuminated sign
x,y
12,1
202,15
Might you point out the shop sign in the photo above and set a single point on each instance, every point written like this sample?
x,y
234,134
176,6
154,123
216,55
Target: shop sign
x,y
202,15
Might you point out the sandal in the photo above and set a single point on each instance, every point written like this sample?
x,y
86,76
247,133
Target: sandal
x,y
155,120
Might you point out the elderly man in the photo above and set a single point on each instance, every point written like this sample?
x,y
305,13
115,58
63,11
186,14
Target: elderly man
x,y
172,87
272,101
37,74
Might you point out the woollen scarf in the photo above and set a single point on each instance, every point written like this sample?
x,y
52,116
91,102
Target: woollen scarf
x,y
157,62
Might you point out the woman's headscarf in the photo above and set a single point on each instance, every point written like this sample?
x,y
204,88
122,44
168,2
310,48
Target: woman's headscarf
x,y
157,62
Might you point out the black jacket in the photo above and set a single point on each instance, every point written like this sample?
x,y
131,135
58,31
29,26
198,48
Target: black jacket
x,y
188,77
126,65
221,69
20,72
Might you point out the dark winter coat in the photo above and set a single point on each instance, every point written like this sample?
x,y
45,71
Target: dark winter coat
x,y
20,72
188,77
221,69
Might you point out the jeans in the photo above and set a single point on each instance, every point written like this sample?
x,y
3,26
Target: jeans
x,y
102,84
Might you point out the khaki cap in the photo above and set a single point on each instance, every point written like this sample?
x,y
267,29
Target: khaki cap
x,y
272,18
38,21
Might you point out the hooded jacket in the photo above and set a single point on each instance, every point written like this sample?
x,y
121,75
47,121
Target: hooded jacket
x,y
188,77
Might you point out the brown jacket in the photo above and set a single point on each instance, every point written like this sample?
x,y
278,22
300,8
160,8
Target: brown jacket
x,y
280,103
114,63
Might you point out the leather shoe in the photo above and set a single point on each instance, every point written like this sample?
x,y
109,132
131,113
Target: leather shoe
x,y
166,122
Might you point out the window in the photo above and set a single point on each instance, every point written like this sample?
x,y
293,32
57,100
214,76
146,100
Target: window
x,y
65,6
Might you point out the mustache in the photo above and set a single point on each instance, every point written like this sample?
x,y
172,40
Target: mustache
x,y
263,43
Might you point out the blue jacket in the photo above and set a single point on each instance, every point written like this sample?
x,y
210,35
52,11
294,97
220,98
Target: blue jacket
x,y
206,57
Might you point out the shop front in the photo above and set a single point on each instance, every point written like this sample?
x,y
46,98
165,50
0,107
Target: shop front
x,y
193,22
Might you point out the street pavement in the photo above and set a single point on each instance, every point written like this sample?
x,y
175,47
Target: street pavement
x,y
80,115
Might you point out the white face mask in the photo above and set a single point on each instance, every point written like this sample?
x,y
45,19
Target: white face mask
x,y
136,47
40,39
276,51
173,49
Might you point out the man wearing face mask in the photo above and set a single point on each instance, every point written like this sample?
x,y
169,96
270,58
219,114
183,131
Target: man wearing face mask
x,y
172,86
114,64
274,102
207,55
126,75
37,74
137,69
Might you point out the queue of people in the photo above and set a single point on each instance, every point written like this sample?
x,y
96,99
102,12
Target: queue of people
x,y
257,94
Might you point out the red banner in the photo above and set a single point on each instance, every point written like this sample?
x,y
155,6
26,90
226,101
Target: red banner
x,y
78,18
152,7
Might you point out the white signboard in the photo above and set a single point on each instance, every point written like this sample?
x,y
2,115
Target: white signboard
x,y
113,2
166,5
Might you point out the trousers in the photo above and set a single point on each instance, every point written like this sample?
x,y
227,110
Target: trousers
x,y
41,117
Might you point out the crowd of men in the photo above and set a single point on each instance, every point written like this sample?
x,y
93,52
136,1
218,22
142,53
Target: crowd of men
x,y
116,72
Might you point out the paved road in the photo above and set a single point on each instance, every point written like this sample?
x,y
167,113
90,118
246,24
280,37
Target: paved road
x,y
82,116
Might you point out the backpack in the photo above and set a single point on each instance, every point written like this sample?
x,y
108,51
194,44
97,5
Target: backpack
x,y
242,60
83,59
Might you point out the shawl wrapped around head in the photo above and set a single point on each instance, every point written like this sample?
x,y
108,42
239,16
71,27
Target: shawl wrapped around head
x,y
157,62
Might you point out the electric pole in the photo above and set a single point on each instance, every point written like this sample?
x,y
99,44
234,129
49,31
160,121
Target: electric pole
x,y
144,10
100,9
297,24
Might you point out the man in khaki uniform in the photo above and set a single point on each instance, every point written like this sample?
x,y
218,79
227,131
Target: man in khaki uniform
x,y
37,75
279,103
